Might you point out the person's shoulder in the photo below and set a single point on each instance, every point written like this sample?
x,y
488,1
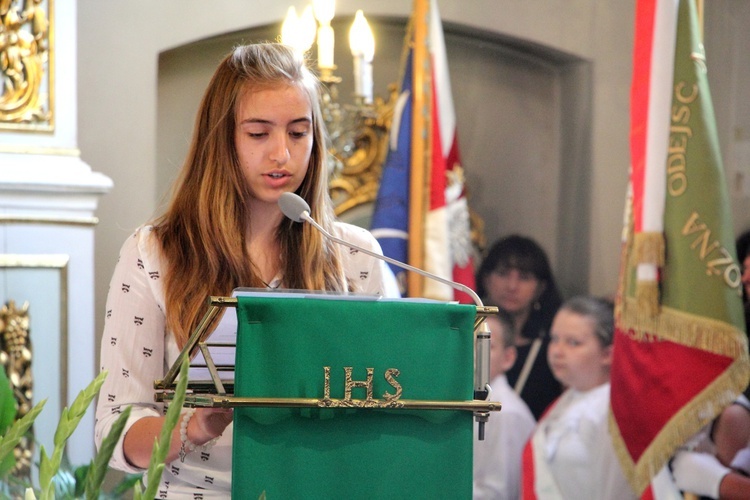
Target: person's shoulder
x,y
143,236
142,242
354,234
594,405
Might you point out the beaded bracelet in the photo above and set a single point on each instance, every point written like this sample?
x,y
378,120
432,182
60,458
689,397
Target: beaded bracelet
x,y
186,446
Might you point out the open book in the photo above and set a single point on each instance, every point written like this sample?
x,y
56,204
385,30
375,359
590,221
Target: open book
x,y
222,342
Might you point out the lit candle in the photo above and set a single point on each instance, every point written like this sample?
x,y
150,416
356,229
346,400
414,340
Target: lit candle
x,y
290,28
324,12
307,27
362,44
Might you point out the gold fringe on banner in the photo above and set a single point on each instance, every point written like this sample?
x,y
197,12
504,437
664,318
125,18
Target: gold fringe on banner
x,y
684,328
696,332
681,427
647,296
648,248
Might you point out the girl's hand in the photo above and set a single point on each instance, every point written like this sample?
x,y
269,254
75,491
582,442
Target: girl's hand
x,y
208,423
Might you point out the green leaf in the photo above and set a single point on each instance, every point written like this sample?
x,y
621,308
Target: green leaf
x,y
48,493
8,412
80,474
137,493
7,403
161,446
19,429
61,426
46,485
127,483
69,420
7,464
98,469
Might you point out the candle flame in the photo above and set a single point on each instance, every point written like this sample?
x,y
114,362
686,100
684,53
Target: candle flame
x,y
361,39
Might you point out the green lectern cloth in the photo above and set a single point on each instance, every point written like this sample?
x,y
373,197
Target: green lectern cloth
x,y
283,345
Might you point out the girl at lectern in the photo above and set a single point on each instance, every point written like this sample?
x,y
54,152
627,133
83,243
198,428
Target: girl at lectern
x,y
259,133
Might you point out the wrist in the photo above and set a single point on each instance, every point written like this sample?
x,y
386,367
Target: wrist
x,y
187,445
196,432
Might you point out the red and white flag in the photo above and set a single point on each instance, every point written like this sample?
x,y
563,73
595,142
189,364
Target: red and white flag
x,y
447,227
432,213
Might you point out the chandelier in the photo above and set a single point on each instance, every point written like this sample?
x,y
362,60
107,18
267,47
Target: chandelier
x,y
357,131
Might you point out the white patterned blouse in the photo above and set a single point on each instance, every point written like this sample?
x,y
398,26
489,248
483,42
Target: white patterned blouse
x,y
137,349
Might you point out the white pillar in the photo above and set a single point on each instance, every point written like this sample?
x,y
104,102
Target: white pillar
x,y
48,200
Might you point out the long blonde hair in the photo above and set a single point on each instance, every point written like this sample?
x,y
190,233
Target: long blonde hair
x,y
202,232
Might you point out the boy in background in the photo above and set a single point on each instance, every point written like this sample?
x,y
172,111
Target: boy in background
x,y
497,459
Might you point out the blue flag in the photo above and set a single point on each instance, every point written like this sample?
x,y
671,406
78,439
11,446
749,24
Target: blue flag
x,y
390,219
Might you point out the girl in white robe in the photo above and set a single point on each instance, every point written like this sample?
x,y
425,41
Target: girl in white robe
x,y
570,454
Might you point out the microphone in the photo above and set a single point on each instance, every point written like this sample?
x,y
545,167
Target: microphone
x,y
296,208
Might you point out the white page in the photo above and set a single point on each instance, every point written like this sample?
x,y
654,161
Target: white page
x,y
225,333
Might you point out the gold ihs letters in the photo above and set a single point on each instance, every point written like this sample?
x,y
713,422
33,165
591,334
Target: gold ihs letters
x,y
389,401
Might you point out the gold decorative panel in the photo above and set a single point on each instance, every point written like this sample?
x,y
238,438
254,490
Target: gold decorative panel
x,y
26,63
15,359
39,282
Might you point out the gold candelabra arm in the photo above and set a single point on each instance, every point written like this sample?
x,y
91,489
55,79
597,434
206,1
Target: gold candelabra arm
x,y
359,148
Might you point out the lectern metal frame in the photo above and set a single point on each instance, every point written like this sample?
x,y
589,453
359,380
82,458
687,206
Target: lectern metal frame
x,y
220,393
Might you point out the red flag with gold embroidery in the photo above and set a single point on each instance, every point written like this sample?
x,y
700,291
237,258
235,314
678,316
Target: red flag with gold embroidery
x,y
680,350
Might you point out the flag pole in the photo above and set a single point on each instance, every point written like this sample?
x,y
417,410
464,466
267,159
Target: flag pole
x,y
421,116
699,8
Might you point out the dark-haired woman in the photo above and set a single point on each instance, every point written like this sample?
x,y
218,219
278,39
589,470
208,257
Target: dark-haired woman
x,y
516,277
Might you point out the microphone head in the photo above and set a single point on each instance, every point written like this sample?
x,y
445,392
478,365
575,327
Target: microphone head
x,y
293,206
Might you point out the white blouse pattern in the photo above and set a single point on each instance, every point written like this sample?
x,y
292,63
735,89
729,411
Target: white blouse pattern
x,y
137,349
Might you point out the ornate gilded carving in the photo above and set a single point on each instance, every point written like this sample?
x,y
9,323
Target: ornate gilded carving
x,y
24,62
15,357
359,145
359,153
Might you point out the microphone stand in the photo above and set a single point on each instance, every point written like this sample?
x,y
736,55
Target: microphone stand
x,y
482,371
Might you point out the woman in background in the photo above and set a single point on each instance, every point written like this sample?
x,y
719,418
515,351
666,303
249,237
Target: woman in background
x,y
516,276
